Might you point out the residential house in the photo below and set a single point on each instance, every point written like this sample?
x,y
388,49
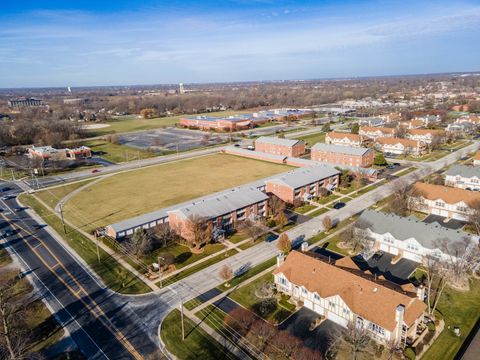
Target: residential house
x,y
399,146
374,133
412,124
445,201
426,135
342,155
278,146
429,120
303,183
344,139
461,128
463,177
410,238
348,297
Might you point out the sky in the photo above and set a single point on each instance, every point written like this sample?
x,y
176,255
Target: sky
x,y
126,42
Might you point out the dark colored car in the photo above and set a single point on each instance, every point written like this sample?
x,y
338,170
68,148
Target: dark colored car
x,y
338,205
377,255
396,164
390,166
95,171
5,189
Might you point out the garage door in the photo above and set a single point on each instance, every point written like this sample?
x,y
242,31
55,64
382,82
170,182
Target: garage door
x,y
337,319
393,250
435,211
458,216
384,247
308,304
318,309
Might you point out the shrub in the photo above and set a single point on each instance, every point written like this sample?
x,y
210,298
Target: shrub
x,y
409,353
265,307
419,348
379,350
431,326
428,336
271,223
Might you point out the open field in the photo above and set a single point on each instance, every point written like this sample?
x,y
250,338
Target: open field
x,y
136,192
52,196
313,138
129,123
118,153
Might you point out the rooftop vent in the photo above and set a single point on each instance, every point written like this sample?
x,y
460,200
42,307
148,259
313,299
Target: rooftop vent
x,y
375,290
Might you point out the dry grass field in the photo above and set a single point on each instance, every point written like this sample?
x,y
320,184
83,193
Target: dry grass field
x,y
137,192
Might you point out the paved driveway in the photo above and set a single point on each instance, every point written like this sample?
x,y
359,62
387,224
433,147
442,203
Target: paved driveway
x,y
319,339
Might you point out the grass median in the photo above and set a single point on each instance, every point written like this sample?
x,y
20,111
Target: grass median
x,y
115,276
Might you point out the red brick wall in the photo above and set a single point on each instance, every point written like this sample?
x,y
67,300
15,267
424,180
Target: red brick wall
x,y
343,159
295,150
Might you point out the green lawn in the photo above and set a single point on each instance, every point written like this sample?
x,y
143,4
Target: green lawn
x,y
117,153
406,171
52,196
327,199
115,276
203,265
312,139
460,309
304,208
197,344
245,296
213,317
5,259
137,192
248,274
319,212
237,237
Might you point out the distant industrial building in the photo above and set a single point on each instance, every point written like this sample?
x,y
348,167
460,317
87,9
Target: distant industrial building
x,y
27,102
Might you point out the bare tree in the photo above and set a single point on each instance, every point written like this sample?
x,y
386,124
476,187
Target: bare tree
x,y
327,223
165,234
276,205
355,341
284,244
357,236
240,320
285,345
140,243
252,229
474,215
226,273
281,219
198,230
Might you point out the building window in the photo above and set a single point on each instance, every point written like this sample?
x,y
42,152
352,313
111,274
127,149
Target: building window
x,y
316,297
346,312
376,329
461,208
439,204
331,305
474,181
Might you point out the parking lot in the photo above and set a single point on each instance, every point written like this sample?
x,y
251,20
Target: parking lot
x,y
171,139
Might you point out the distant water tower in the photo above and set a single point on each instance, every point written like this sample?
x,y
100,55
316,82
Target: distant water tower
x,y
181,89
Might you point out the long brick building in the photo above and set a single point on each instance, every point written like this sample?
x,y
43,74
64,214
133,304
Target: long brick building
x,y
278,146
343,155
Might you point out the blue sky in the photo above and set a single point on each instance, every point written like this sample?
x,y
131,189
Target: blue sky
x,y
60,43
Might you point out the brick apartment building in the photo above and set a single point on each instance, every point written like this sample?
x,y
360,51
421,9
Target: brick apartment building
x,y
344,139
303,183
278,146
343,155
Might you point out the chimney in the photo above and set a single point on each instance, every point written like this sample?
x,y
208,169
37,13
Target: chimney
x,y
304,246
399,315
280,259
421,292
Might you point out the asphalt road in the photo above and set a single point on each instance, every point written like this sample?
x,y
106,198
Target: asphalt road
x,y
101,322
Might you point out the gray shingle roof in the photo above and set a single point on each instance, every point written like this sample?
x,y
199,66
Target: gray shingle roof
x,y
358,151
304,176
240,151
223,203
277,141
464,171
403,228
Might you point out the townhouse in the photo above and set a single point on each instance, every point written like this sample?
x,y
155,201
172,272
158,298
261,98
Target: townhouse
x,y
278,146
426,135
445,201
346,296
399,146
224,211
460,128
303,183
344,139
463,177
342,155
412,124
476,159
374,133
411,238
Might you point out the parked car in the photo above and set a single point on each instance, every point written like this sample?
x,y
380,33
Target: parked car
x,y
8,233
390,166
95,171
377,255
4,189
18,209
338,205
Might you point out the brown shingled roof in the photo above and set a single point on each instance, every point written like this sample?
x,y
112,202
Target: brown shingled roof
x,y
450,195
394,141
426,131
384,130
341,135
365,298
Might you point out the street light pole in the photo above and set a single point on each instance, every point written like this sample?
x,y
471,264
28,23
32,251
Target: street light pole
x,y
183,326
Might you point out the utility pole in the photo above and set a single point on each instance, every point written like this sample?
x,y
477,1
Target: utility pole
x,y
183,326
96,242
61,215
13,175
160,270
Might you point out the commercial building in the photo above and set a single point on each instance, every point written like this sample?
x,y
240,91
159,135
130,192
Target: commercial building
x,y
27,102
348,297
411,238
278,146
445,201
303,183
343,139
342,155
50,153
374,133
399,146
463,177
